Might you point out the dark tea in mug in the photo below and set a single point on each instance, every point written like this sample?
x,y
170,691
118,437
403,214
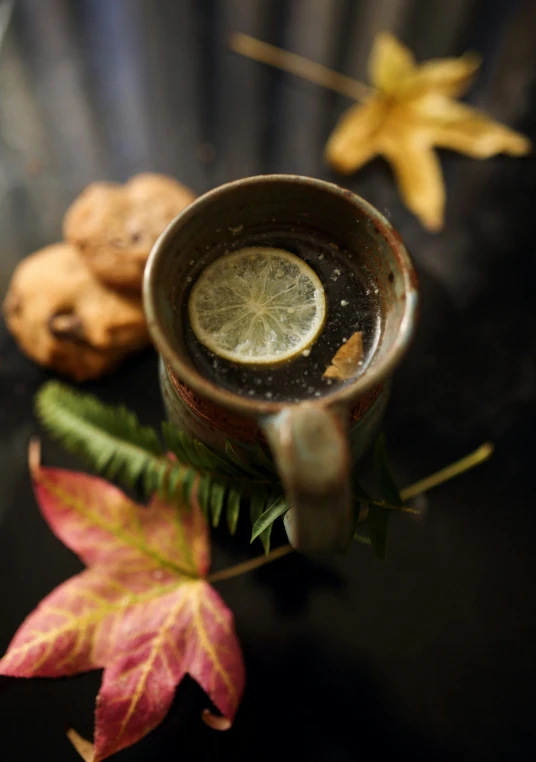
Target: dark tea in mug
x,y
352,305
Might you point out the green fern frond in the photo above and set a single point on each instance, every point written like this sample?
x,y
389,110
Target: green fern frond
x,y
203,494
233,509
217,500
277,506
264,461
227,478
112,441
256,509
195,454
256,474
109,439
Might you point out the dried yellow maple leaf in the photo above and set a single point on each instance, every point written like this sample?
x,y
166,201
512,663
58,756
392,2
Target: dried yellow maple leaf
x,y
411,111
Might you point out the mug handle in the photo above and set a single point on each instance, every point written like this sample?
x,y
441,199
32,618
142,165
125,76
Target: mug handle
x,y
311,453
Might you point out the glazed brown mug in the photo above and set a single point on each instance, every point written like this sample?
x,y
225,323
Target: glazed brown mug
x,y
315,441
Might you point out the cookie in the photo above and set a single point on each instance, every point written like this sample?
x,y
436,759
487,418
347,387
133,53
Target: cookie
x,y
115,226
64,318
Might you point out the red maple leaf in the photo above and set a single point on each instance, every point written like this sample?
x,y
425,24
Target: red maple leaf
x,y
142,610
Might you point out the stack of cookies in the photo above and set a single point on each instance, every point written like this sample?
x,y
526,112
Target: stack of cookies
x,y
76,306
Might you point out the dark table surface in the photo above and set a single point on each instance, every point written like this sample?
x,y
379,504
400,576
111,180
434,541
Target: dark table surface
x,y
430,655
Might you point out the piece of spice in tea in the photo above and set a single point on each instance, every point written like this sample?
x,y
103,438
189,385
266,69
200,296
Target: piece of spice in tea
x,y
345,362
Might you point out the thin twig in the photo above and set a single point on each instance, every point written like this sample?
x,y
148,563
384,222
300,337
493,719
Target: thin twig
x,y
299,66
391,507
254,563
455,469
434,480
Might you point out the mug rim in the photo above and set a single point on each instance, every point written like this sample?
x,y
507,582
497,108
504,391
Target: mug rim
x,y
256,408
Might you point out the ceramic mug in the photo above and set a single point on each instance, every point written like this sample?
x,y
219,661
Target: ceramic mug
x,y
315,441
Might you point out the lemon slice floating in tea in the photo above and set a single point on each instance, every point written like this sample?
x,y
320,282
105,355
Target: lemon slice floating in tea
x,y
257,306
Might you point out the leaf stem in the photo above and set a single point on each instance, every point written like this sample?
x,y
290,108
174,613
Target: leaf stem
x,y
434,480
250,47
254,563
449,472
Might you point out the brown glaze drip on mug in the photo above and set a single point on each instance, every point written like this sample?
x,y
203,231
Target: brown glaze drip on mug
x,y
234,426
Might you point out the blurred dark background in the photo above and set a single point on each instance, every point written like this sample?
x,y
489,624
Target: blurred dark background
x,y
430,655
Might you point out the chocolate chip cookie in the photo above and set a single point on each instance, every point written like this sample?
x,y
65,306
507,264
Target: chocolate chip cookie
x,y
115,226
64,318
